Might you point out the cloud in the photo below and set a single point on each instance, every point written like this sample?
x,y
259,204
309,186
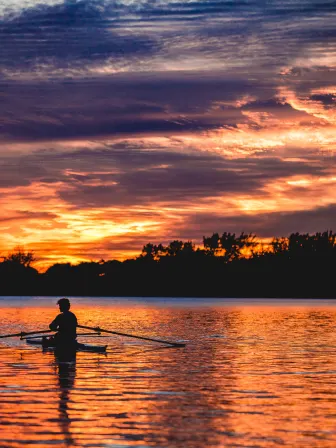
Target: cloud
x,y
20,172
119,105
327,99
124,175
142,172
76,37
62,40
264,225
159,103
72,33
25,215
170,185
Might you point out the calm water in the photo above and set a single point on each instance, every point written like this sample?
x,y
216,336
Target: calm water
x,y
253,374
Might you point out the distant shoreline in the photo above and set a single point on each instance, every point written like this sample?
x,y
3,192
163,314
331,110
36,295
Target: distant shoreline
x,y
300,266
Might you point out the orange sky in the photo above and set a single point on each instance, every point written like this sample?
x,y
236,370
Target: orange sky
x,y
165,129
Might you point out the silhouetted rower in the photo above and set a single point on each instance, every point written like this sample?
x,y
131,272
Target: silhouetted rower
x,y
65,324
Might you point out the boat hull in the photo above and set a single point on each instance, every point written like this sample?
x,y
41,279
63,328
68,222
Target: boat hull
x,y
77,346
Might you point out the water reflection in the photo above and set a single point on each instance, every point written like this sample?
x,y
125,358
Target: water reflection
x,y
66,370
248,376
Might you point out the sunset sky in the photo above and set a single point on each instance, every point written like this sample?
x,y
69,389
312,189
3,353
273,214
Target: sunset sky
x,y
128,122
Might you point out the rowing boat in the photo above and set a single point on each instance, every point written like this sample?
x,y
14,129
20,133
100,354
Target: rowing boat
x,y
47,344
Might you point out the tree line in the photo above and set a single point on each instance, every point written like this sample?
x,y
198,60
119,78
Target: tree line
x,y
227,265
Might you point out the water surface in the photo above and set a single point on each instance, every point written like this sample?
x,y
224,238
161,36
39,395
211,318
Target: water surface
x,y
253,374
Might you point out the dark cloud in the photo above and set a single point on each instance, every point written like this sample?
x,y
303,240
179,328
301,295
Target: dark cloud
x,y
268,35
273,106
259,38
127,157
119,105
121,174
193,9
159,103
82,33
304,80
170,185
246,9
145,177
25,215
72,33
16,172
328,100
265,225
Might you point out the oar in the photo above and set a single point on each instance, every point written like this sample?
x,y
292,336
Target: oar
x,y
23,338
24,333
175,344
93,335
89,334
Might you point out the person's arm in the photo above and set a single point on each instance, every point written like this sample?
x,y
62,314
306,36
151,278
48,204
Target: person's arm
x,y
54,324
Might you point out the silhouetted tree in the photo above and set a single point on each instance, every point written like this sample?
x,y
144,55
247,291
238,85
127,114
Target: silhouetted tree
x,y
152,251
20,256
233,246
211,244
188,248
17,277
174,248
59,269
279,245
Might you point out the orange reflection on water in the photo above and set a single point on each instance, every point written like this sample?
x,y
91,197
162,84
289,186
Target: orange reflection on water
x,y
249,376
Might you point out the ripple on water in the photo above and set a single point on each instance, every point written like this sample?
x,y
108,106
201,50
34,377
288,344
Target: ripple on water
x,y
248,376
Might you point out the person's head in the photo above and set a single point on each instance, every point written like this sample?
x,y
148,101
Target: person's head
x,y
64,304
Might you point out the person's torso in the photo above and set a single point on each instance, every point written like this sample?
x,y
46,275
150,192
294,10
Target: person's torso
x,y
67,325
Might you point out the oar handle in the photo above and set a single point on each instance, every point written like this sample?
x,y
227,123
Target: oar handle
x,y
175,344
